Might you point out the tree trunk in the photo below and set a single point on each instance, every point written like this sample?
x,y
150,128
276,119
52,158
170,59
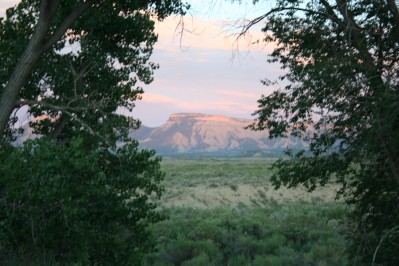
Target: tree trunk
x,y
37,45
26,63
395,12
376,81
15,83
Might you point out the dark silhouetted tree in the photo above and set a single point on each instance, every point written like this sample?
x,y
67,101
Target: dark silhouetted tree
x,y
84,193
34,31
342,96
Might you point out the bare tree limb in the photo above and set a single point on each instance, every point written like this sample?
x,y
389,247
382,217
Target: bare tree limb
x,y
382,240
248,24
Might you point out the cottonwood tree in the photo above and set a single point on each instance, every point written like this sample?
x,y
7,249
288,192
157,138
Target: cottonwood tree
x,y
76,205
74,196
33,29
341,61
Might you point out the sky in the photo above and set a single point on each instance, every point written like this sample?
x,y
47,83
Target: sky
x,y
204,69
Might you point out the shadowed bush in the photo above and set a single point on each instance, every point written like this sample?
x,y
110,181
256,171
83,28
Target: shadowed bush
x,y
69,204
296,234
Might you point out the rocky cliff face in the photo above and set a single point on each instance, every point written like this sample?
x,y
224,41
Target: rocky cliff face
x,y
192,132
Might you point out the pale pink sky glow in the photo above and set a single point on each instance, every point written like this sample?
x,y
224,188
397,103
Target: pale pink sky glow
x,y
204,70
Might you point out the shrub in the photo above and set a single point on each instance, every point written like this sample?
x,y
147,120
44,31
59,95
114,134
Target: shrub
x,y
77,205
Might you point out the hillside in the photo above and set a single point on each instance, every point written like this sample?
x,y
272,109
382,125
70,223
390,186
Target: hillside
x,y
201,133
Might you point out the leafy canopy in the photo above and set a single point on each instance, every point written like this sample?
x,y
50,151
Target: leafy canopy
x,y
112,38
99,60
342,97
84,193
77,205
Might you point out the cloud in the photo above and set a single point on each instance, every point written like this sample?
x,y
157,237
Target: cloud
x,y
204,69
188,32
157,98
238,94
156,114
218,105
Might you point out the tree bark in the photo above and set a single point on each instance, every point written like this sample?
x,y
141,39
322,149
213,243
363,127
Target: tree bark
x,y
25,64
59,126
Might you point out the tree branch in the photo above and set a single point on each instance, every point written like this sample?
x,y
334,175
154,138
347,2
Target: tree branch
x,y
26,62
395,12
246,26
67,111
58,127
376,82
382,240
33,51
331,12
72,17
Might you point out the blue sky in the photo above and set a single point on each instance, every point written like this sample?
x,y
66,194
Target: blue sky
x,y
205,70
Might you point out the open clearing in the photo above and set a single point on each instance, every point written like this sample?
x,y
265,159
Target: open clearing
x,y
231,183
226,212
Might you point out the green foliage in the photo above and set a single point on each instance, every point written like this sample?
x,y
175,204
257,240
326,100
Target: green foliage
x,y
191,172
77,205
73,197
341,95
283,235
93,69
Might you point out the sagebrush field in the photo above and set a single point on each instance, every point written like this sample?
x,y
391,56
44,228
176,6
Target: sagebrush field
x,y
226,212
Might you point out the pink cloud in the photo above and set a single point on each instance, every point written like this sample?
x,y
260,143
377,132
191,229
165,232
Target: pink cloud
x,y
227,105
239,94
182,33
157,98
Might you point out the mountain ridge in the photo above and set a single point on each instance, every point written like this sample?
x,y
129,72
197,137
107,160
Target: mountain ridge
x,y
201,134
185,133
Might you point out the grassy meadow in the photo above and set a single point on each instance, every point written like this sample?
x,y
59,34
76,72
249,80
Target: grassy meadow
x,y
226,212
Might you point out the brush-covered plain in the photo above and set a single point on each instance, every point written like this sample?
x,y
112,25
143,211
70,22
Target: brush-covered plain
x,y
226,212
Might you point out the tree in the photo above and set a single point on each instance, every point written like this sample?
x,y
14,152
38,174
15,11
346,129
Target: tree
x,y
342,97
49,25
84,193
76,206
